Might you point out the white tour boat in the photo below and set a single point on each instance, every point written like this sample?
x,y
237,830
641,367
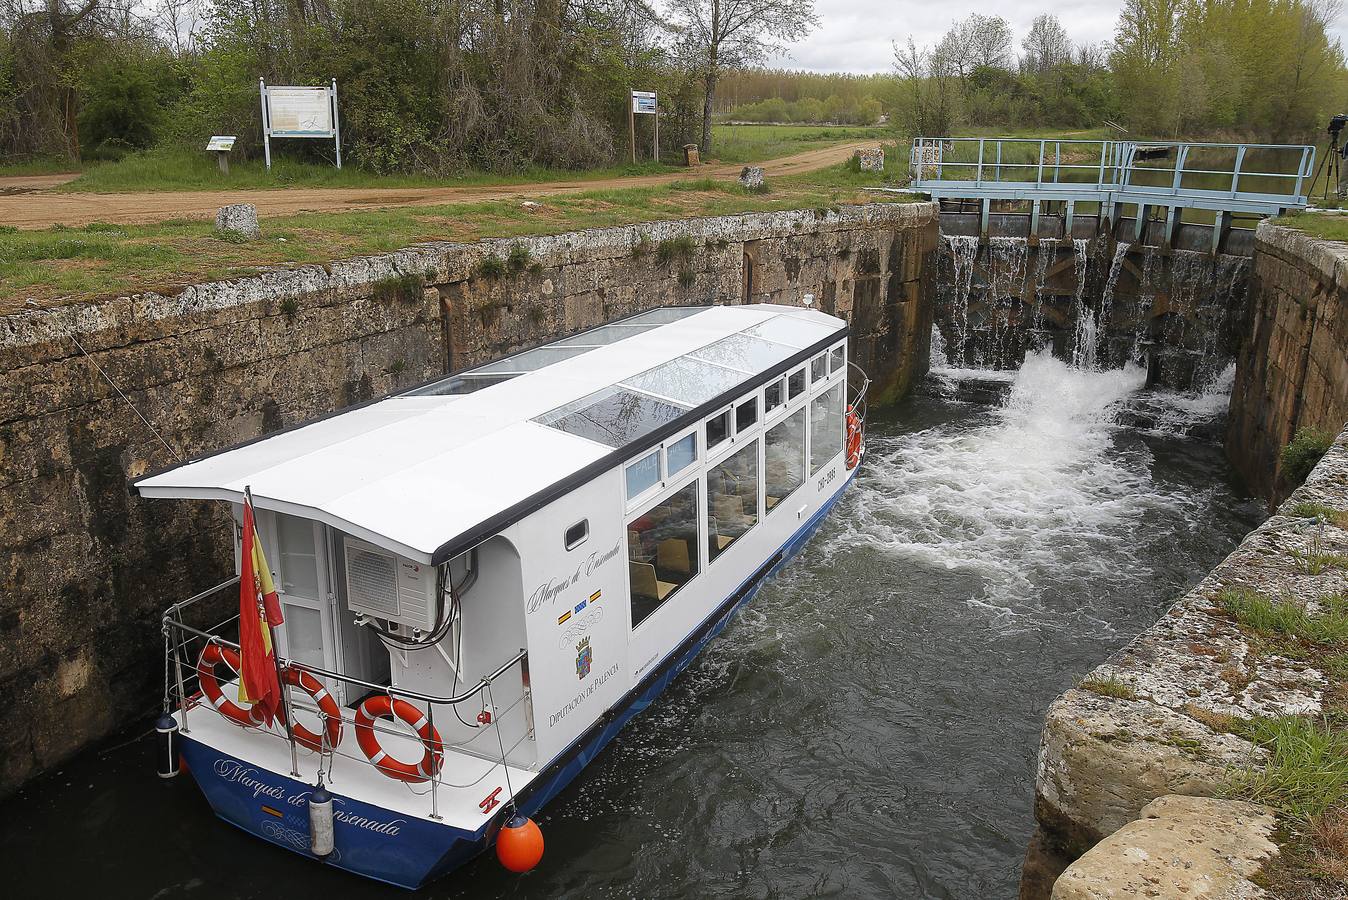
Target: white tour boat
x,y
481,580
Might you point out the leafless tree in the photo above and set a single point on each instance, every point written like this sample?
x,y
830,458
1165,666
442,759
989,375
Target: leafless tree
x,y
977,41
1046,46
928,82
727,34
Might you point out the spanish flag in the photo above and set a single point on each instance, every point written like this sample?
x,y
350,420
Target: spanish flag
x,y
259,612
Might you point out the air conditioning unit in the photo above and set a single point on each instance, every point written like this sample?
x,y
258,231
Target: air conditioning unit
x,y
387,586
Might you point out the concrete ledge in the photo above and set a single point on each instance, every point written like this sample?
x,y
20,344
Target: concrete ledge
x,y
1151,721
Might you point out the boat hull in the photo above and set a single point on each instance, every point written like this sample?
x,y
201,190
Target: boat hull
x,y
409,851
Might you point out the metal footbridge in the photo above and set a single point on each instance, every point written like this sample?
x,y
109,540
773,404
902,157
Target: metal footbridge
x,y
1110,181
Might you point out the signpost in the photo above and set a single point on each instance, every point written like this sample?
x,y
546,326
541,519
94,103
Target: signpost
x,y
644,103
299,112
220,145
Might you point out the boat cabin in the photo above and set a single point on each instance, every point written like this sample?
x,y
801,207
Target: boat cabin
x,y
523,551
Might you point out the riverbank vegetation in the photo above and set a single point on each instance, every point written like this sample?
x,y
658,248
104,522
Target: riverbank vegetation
x,y
1305,776
464,89
64,265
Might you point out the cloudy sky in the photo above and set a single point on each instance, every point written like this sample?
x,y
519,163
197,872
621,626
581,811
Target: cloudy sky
x,y
855,35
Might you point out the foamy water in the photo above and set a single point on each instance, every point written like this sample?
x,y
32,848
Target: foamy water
x,y
1038,492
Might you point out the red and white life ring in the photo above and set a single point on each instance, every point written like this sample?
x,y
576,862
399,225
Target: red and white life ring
x,y
327,706
854,434
384,706
213,655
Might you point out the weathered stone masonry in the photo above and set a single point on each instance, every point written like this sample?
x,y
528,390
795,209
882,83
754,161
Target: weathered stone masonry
x,y
88,566
1293,370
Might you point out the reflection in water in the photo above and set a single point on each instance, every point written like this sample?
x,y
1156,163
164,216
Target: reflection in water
x,y
867,727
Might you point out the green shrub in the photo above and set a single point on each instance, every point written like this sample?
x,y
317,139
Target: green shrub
x,y
680,248
518,259
1302,453
404,288
492,267
1108,686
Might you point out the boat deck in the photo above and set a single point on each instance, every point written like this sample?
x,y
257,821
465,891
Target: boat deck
x,y
464,781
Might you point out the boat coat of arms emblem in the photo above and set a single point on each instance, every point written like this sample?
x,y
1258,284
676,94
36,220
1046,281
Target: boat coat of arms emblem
x,y
584,657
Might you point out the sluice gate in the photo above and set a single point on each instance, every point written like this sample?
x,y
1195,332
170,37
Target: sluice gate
x,y
1181,195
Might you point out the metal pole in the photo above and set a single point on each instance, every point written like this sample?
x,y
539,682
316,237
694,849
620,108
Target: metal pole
x,y
632,125
178,671
1235,175
1039,173
656,117
336,125
266,122
978,178
435,771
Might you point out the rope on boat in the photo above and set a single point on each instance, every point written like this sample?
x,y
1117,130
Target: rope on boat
x,y
496,726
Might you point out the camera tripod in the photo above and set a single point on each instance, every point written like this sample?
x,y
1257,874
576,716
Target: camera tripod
x,y
1330,164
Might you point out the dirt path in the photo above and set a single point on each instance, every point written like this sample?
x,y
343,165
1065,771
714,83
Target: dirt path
x,y
33,207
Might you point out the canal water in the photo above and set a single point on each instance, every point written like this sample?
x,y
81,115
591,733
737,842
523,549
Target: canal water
x,y
867,727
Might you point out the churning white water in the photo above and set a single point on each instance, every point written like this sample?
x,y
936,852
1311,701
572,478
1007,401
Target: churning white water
x,y
1035,492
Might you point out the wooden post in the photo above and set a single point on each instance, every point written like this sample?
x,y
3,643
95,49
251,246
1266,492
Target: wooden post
x,y
632,125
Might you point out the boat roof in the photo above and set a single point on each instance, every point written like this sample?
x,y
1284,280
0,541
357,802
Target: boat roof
x,y
433,471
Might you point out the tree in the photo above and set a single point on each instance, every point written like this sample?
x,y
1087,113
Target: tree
x,y
1046,46
926,103
977,42
715,35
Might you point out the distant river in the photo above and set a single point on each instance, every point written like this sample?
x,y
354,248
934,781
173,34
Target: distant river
x,y
867,727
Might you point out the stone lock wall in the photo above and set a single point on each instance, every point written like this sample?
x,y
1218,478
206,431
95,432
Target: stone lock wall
x,y
1293,370
89,566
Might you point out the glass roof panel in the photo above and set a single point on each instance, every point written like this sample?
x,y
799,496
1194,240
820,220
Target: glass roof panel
x,y
606,334
530,360
613,416
686,380
665,315
458,384
791,331
748,354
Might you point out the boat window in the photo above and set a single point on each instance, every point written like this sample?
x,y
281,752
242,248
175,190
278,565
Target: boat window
x,y
796,384
643,474
686,381
819,368
826,427
773,395
299,561
681,454
746,414
739,351
458,384
605,334
530,360
662,551
576,534
718,429
784,458
791,331
664,315
613,416
732,499
836,359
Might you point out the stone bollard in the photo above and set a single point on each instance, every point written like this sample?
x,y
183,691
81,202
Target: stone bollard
x,y
751,177
240,218
691,156
871,159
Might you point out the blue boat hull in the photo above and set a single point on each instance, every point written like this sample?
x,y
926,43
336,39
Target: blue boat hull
x,y
409,852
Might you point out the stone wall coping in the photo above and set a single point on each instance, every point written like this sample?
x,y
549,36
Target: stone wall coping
x,y
1328,258
448,261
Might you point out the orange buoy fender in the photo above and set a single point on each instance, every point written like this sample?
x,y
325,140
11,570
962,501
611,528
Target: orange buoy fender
x,y
854,433
213,655
384,706
519,845
332,713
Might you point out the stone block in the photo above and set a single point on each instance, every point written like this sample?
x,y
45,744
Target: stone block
x,y
691,156
870,159
240,219
751,177
1179,847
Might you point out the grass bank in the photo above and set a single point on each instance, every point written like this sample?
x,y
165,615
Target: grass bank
x,y
1305,779
63,265
1329,226
183,169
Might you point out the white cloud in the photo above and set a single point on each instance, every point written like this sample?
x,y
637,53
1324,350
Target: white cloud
x,y
856,35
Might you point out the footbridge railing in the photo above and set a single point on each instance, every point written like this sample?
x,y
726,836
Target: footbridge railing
x,y
1258,179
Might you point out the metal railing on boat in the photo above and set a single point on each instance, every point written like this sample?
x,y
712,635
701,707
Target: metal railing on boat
x,y
179,636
